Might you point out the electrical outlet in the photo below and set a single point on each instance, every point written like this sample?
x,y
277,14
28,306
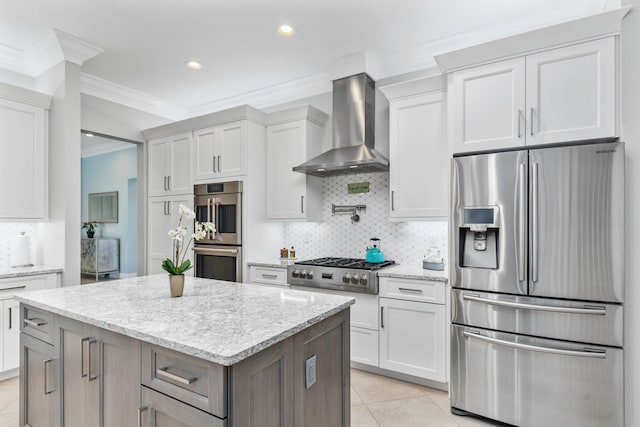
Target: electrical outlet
x,y
310,369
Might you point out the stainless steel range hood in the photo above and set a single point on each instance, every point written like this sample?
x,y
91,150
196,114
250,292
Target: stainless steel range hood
x,y
353,132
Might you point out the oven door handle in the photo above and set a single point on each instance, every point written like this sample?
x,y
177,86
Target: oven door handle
x,y
212,217
216,250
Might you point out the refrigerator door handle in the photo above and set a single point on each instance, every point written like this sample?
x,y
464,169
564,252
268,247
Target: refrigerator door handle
x,y
573,310
522,191
534,223
595,353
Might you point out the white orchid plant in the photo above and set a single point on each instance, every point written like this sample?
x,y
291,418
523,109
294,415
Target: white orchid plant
x,y
178,265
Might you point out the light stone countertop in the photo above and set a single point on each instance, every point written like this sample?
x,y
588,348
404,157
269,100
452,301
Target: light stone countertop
x,y
272,262
222,322
411,271
8,272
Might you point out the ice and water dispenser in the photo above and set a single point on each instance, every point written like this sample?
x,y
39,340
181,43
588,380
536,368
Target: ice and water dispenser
x,y
479,237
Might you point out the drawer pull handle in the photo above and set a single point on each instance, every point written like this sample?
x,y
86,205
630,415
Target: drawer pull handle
x,y
164,372
35,322
140,411
46,377
269,276
419,291
13,288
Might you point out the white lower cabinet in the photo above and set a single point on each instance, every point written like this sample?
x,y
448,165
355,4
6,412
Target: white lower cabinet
x,y
268,276
364,346
413,332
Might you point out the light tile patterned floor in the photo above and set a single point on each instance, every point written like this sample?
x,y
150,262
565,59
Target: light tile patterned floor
x,y
376,401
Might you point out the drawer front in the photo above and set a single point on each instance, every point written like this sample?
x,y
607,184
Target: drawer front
x,y
413,290
272,276
364,346
191,380
37,323
9,287
163,411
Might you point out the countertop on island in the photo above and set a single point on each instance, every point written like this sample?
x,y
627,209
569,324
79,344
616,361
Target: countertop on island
x,y
8,272
222,322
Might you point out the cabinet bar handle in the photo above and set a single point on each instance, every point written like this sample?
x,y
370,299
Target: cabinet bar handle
x,y
410,290
13,287
164,372
91,377
531,124
140,411
393,207
10,316
35,322
219,164
382,317
213,158
302,204
83,374
164,186
169,182
269,276
46,377
519,123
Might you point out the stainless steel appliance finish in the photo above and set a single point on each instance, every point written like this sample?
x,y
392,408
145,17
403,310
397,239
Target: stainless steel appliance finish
x,y
220,255
537,329
345,274
218,262
353,131
220,203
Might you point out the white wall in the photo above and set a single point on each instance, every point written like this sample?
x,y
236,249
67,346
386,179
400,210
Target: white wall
x,y
630,57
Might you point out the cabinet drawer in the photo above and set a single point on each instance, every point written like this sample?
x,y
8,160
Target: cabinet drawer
x,y
37,323
191,380
413,290
14,285
271,276
160,410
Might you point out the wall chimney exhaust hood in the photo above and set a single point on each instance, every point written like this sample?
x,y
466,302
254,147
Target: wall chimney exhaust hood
x,y
353,132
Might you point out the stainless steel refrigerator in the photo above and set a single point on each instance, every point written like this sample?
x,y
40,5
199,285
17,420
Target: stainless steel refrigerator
x,y
537,280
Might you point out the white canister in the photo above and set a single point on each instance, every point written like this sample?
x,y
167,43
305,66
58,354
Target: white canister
x,y
20,253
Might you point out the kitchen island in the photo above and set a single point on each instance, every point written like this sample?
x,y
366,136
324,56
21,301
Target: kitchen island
x,y
123,353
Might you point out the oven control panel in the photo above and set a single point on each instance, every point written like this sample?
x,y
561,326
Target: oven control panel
x,y
333,278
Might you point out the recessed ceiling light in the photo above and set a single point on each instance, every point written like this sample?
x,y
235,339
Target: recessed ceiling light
x,y
88,134
286,30
194,65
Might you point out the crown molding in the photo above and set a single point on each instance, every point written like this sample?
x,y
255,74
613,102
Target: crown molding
x,y
74,49
95,86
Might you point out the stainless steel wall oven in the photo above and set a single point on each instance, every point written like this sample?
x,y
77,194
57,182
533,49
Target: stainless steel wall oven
x,y
219,256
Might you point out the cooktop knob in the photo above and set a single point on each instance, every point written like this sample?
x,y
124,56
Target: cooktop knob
x,y
346,278
303,274
363,279
295,273
309,274
354,279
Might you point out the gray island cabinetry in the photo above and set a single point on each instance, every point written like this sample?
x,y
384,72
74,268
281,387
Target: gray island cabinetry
x,y
124,353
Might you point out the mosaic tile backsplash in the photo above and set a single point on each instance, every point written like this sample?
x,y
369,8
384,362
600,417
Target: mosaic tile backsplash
x,y
404,242
8,233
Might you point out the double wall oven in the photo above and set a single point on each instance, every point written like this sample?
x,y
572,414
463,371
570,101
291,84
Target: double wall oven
x,y
219,255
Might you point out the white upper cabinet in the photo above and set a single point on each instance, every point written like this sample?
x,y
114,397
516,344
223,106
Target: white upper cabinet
x,y
23,159
220,151
295,138
559,95
418,151
170,165
487,106
571,93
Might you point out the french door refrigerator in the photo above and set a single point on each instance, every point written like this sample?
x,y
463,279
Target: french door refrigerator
x,y
538,285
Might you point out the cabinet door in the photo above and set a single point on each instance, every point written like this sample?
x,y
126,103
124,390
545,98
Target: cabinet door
x,y
364,346
80,375
488,106
11,334
23,162
39,384
180,177
412,338
232,150
204,153
159,225
159,166
571,93
418,157
286,190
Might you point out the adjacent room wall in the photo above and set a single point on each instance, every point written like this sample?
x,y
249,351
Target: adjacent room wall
x,y
114,172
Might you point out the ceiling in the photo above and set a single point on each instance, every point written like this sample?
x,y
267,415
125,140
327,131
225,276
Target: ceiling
x,y
145,43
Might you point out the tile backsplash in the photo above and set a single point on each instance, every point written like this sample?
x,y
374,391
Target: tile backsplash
x,y
8,233
404,242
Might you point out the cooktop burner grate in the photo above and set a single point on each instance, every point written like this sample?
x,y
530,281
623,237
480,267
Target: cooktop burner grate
x,y
355,263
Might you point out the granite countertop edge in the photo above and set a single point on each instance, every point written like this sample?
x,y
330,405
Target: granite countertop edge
x,y
406,271
36,270
271,263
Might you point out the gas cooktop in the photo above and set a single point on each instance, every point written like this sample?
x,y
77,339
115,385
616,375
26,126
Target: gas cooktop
x,y
355,263
345,274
